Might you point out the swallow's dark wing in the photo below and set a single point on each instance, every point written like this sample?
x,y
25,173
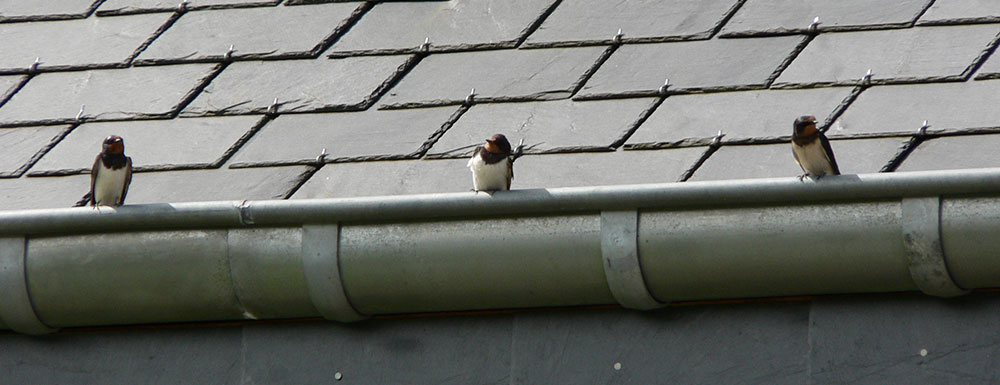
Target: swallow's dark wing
x,y
510,171
829,153
128,179
93,178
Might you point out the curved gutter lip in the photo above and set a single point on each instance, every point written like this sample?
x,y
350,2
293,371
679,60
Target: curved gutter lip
x,y
742,192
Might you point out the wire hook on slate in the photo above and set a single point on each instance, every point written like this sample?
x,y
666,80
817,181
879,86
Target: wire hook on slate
x,y
814,25
471,98
923,128
79,115
868,78
273,108
618,37
426,47
322,156
718,139
183,6
229,52
663,89
34,66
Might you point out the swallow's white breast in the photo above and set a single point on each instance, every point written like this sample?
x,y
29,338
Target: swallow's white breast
x,y
813,159
108,186
488,177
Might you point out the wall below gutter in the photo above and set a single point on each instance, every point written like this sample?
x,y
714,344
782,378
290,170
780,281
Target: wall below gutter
x,y
639,246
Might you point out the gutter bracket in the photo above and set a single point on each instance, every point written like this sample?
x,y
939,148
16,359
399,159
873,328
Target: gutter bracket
x,y
921,224
620,254
16,309
321,263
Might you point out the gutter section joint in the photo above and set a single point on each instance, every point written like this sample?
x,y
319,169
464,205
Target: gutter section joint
x,y
922,243
16,309
321,263
620,254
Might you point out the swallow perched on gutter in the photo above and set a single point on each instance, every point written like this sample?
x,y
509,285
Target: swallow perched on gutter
x,y
111,174
812,149
491,165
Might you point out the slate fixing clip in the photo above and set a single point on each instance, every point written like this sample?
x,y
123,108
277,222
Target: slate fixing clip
x,y
717,141
34,66
183,6
79,115
663,89
471,98
322,156
229,52
814,25
426,46
273,108
867,79
923,128
618,37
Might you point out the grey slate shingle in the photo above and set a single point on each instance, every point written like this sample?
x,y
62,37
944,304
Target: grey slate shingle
x,y
990,69
214,185
597,21
954,152
855,156
760,115
921,53
902,109
711,64
562,125
121,7
130,93
496,75
20,10
26,193
795,16
75,43
395,27
345,135
151,143
21,144
7,86
253,32
299,85
961,11
531,171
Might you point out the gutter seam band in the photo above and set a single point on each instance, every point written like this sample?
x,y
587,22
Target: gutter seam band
x,y
620,254
16,309
922,243
321,264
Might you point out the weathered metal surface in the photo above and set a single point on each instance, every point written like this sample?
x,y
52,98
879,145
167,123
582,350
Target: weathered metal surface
x,y
922,241
620,251
321,263
16,309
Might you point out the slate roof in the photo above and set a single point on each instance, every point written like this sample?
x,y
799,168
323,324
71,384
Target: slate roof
x,y
237,99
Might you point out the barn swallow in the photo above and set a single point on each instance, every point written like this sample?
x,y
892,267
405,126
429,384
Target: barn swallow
x,y
111,174
491,165
812,149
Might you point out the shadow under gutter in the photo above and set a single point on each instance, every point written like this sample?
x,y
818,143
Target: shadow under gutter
x,y
640,246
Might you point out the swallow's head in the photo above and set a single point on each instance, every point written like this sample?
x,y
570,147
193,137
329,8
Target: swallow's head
x,y
805,126
113,145
498,144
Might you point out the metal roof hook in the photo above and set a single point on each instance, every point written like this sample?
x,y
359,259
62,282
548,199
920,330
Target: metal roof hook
x,y
322,156
867,80
618,37
663,89
273,108
79,115
718,139
183,6
229,52
471,98
34,66
426,46
923,129
814,25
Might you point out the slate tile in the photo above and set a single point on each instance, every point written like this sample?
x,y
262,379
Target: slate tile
x,y
531,171
370,134
990,69
124,356
130,93
396,27
427,350
911,339
7,86
21,144
722,344
961,11
300,85
254,32
19,10
595,22
902,109
552,126
954,152
922,53
795,16
854,156
124,7
42,193
92,42
761,115
262,183
150,143
500,75
695,65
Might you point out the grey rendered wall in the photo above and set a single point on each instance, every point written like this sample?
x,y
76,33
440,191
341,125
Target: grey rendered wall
x,y
881,339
